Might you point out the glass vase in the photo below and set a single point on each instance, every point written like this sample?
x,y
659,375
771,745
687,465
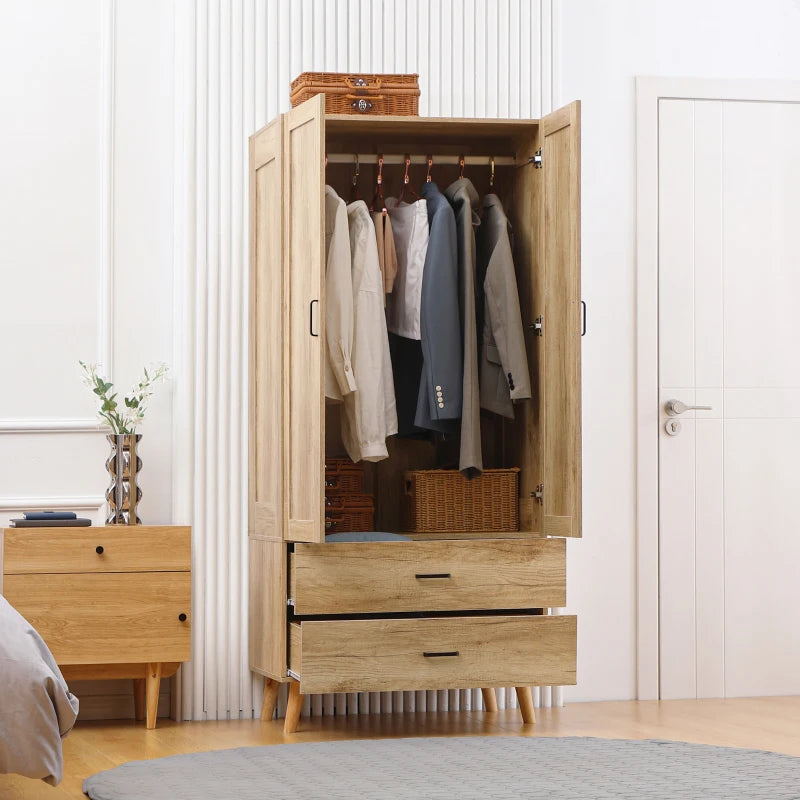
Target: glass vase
x,y
124,494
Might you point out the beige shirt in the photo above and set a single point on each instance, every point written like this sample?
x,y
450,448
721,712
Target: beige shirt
x,y
387,255
370,412
339,378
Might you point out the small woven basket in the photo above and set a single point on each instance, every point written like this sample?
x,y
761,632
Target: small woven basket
x,y
342,476
359,94
444,501
349,513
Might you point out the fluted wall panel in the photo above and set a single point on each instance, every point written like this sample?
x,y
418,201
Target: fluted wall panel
x,y
234,61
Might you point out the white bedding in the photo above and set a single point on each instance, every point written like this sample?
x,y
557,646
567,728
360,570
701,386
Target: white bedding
x,y
36,708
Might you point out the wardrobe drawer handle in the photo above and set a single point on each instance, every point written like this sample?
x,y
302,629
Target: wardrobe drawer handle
x,y
445,654
421,575
311,317
99,549
182,617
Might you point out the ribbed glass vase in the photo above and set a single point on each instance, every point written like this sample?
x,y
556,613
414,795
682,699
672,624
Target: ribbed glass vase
x,y
124,494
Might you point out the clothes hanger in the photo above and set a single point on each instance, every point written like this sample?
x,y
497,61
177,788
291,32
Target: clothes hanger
x,y
355,191
378,198
461,165
430,164
407,184
491,175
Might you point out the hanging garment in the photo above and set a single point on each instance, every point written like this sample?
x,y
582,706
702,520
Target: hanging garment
x,y
504,375
410,229
339,379
464,199
370,414
439,399
387,255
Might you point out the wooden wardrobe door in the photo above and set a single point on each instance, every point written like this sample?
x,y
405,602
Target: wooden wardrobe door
x,y
304,264
560,257
266,332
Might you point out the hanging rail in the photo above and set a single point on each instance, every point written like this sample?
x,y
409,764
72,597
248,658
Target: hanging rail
x,y
438,160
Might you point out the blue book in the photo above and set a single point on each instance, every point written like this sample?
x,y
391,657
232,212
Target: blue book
x,y
50,515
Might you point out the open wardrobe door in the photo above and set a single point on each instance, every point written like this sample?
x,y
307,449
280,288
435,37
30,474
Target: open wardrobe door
x,y
304,258
560,255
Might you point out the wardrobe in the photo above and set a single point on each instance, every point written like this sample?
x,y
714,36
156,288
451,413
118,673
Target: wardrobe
x,y
440,610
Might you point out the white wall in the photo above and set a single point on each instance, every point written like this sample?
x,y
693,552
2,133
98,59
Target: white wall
x,y
599,48
85,250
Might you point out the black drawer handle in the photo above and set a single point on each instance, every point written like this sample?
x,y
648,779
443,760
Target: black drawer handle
x,y
182,617
99,549
445,654
422,575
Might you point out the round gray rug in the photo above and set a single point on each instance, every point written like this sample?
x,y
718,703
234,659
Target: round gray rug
x,y
469,768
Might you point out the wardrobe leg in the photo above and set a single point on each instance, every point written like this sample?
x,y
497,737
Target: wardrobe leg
x,y
270,699
489,699
293,708
525,697
151,689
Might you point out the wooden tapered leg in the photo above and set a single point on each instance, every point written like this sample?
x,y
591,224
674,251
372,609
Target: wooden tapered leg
x,y
138,699
153,684
293,708
525,697
270,698
489,699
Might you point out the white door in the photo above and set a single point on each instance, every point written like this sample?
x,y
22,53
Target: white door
x,y
729,338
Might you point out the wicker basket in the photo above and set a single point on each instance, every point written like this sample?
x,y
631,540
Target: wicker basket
x,y
342,476
445,501
359,94
355,512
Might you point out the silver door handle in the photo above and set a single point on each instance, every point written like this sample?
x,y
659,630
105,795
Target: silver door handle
x,y
675,407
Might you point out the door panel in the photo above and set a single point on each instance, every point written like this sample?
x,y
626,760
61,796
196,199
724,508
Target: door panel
x,y
561,309
728,249
304,314
266,331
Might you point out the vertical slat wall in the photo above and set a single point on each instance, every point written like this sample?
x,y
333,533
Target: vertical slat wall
x,y
234,60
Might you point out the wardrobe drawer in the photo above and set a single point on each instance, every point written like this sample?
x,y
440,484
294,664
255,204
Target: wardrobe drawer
x,y
122,549
432,653
107,619
443,575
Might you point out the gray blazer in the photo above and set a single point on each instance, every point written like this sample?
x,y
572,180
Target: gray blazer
x,y
464,199
439,399
504,375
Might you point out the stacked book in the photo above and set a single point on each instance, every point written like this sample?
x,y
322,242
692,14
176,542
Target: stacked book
x,y
49,519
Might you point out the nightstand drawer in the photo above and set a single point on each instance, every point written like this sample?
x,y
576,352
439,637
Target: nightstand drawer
x,y
443,575
107,619
103,549
432,653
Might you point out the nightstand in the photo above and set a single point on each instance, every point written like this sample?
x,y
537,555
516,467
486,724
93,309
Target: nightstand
x,y
110,602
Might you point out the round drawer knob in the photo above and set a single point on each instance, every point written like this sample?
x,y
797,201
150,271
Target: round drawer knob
x,y
182,617
99,549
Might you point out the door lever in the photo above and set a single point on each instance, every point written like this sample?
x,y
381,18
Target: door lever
x,y
675,407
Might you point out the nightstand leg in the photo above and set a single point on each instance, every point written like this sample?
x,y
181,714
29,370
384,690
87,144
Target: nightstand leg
x,y
293,708
151,690
270,698
489,699
138,699
525,697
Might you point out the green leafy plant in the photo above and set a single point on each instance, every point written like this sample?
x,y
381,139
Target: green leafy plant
x,y
126,417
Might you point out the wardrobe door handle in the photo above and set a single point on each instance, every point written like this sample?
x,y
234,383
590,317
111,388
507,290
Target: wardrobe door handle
x,y
182,617
99,549
444,654
583,318
421,575
311,317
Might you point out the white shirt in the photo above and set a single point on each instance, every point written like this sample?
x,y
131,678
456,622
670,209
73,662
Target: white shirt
x,y
339,379
370,414
410,229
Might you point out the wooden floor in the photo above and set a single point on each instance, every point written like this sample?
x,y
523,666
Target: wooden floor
x,y
764,723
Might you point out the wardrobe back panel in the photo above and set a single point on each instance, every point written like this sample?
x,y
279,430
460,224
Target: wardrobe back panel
x,y
266,350
304,315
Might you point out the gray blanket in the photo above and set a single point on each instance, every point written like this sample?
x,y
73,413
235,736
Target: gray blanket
x,y
36,708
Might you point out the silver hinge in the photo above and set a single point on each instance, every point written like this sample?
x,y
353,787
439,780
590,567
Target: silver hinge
x,y
538,495
292,674
290,602
538,325
536,159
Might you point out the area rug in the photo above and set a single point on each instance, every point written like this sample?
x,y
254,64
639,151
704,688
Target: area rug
x,y
468,768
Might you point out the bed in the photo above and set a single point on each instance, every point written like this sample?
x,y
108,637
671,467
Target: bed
x,y
36,707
